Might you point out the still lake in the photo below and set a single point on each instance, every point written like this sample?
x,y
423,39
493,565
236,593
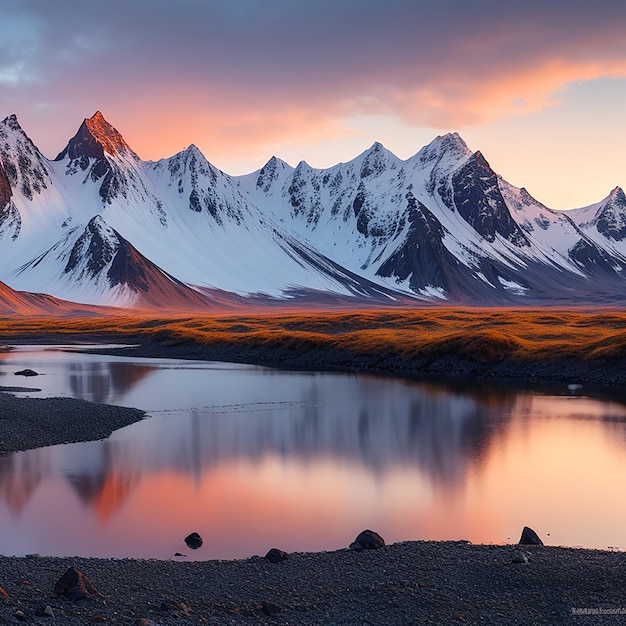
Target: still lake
x,y
253,458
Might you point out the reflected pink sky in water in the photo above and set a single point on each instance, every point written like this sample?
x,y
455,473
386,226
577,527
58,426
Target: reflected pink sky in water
x,y
252,459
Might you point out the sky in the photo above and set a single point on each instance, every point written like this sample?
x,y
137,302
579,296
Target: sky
x,y
539,87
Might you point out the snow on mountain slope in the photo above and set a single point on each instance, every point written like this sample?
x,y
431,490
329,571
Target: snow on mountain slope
x,y
182,212
440,224
98,225
604,221
435,224
356,212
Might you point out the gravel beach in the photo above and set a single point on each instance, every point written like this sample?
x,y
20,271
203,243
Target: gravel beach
x,y
404,583
27,423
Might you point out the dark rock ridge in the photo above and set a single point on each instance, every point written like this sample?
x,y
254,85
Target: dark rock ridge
x,y
478,199
94,138
24,167
5,188
422,256
101,252
93,149
611,218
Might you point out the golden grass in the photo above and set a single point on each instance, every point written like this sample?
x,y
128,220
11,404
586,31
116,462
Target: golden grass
x,y
483,335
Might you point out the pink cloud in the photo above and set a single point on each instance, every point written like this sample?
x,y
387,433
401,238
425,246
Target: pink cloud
x,y
241,78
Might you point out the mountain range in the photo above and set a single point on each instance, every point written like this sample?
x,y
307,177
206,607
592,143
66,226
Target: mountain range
x,y
99,226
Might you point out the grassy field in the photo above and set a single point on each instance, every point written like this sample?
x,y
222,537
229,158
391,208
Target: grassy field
x,y
504,341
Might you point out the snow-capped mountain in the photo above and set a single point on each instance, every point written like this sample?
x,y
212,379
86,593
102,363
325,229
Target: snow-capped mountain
x,y
441,224
98,225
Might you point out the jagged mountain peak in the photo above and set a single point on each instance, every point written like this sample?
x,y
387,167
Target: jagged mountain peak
x,y
450,143
193,149
23,167
375,149
95,138
617,194
610,216
189,155
11,130
449,148
275,163
107,135
375,160
271,172
11,122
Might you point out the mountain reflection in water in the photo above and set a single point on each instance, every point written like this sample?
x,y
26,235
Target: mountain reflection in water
x,y
251,457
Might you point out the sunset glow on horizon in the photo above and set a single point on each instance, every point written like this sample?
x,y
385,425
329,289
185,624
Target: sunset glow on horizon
x,y
538,89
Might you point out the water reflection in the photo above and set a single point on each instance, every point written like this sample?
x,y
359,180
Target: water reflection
x,y
254,458
105,382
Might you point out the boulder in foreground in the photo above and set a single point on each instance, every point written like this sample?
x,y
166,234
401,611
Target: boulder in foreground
x,y
367,540
529,538
75,586
276,556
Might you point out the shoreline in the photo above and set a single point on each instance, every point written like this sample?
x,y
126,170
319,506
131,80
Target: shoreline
x,y
423,582
420,582
512,346
29,423
451,369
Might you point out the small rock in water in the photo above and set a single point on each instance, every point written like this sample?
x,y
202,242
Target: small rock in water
x,y
367,540
276,556
19,615
74,585
529,538
27,372
193,541
574,387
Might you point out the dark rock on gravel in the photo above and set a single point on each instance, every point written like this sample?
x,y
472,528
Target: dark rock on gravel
x,y
276,556
193,541
519,556
44,610
270,609
182,608
529,538
367,540
75,586
421,582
